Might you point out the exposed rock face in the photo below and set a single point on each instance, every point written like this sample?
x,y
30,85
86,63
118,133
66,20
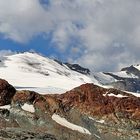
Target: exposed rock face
x,y
117,112
6,92
125,83
107,114
75,67
78,68
24,96
101,102
132,70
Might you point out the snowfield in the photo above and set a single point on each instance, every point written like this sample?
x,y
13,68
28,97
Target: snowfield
x,y
103,78
40,74
31,71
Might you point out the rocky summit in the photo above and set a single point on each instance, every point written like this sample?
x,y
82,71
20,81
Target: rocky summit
x,y
87,112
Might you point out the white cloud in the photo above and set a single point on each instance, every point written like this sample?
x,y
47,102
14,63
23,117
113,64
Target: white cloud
x,y
106,31
6,53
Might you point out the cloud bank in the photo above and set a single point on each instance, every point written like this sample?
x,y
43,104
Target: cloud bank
x,y
99,34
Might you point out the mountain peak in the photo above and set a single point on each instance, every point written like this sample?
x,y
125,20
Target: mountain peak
x,y
36,71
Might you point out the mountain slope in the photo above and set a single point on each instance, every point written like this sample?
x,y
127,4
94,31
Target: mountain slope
x,y
32,71
35,72
127,79
87,112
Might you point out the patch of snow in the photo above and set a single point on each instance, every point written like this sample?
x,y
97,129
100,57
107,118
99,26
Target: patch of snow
x,y
28,107
99,121
137,67
97,136
64,122
133,93
118,95
124,74
5,107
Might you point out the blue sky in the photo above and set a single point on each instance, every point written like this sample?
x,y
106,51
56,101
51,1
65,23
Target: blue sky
x,y
40,45
103,35
37,44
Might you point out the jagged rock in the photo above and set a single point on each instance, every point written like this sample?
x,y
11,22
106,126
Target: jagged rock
x,y
97,102
132,70
108,114
78,68
131,84
7,91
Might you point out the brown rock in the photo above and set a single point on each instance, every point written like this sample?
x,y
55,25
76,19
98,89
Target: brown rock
x,y
95,100
7,91
25,96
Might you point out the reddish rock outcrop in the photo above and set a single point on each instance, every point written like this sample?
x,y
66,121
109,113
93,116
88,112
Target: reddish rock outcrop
x,y
25,96
96,101
7,91
85,106
42,103
88,99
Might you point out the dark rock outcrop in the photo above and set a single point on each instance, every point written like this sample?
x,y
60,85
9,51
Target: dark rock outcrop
x,y
126,83
7,91
78,68
75,67
132,70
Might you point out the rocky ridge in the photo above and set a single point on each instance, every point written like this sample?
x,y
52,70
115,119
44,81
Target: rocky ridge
x,y
87,112
131,82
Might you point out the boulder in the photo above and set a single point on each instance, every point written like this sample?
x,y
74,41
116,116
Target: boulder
x,y
7,91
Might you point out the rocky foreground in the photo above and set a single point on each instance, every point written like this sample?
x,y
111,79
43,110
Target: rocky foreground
x,y
88,112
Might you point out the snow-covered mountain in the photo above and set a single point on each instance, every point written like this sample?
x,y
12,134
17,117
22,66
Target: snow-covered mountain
x,y
127,79
83,112
34,72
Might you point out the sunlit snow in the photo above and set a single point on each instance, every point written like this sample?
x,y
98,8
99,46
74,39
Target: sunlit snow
x,y
124,74
137,67
99,121
118,95
25,70
5,107
28,107
64,122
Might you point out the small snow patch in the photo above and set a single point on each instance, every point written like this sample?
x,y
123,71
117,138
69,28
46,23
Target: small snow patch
x,y
5,107
99,121
64,122
118,95
97,136
133,93
137,67
29,108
